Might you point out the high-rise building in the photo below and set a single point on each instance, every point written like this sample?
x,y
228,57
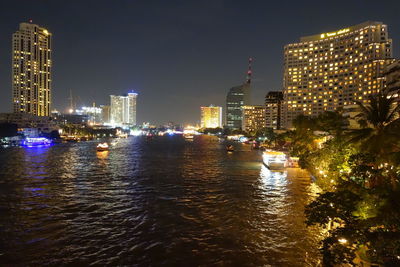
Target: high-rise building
x,y
273,108
331,70
236,98
105,113
253,118
123,110
211,117
392,75
31,70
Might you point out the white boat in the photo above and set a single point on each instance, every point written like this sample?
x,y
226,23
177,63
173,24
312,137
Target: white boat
x,y
274,160
102,147
189,136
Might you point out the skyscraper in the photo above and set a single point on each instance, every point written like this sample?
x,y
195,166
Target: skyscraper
x,y
236,98
331,70
123,109
273,108
31,70
253,118
211,117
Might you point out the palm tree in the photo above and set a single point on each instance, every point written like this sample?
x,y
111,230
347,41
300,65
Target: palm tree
x,y
379,133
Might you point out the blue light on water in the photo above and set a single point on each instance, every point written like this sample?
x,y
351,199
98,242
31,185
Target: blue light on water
x,y
36,142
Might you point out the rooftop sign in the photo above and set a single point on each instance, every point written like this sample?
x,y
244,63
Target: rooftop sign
x,y
330,34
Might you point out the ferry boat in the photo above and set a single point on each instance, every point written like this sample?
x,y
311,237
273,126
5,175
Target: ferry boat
x,y
36,142
274,160
102,147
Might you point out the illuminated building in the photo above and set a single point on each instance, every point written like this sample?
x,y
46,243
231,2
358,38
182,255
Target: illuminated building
x,y
211,117
105,113
253,118
392,75
31,70
273,108
123,110
93,114
331,70
29,121
236,98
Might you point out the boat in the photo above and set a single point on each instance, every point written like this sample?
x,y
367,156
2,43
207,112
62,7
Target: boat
x,y
274,160
189,136
230,148
102,147
36,142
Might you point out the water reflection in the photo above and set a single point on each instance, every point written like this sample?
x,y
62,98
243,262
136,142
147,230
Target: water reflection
x,y
273,178
150,202
102,154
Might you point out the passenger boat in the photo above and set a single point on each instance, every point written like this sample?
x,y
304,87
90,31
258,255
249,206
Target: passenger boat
x,y
102,147
274,160
36,142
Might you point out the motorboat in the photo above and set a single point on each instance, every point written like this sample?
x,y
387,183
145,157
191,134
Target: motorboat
x,y
102,147
274,160
230,148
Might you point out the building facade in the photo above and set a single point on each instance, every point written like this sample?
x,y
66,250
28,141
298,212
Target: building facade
x,y
27,120
273,109
328,71
392,75
211,117
253,118
237,97
105,114
123,110
31,70
93,114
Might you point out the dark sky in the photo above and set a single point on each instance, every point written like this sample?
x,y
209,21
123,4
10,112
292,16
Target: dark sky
x,y
178,55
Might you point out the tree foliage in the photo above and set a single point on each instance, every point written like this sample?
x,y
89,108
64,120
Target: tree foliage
x,y
360,174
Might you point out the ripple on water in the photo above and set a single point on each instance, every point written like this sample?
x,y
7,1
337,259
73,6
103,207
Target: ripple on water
x,y
163,201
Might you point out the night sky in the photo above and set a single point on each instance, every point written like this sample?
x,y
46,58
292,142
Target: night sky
x,y
177,55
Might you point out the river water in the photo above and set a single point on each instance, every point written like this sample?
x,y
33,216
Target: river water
x,y
150,202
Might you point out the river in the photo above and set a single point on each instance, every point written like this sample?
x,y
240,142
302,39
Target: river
x,y
150,202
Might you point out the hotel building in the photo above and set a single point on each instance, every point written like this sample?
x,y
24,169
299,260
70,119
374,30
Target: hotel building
x,y
253,118
392,74
31,70
328,71
211,117
273,108
123,110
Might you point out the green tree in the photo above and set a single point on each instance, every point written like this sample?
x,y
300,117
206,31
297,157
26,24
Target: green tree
x,y
379,133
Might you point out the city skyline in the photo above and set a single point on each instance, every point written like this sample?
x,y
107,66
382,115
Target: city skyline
x,y
173,67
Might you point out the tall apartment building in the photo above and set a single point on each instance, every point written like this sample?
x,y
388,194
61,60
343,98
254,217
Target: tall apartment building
x,y
273,108
123,110
31,70
211,117
331,70
253,118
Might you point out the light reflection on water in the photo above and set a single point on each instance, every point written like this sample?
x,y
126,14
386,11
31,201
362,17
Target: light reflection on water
x,y
161,201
